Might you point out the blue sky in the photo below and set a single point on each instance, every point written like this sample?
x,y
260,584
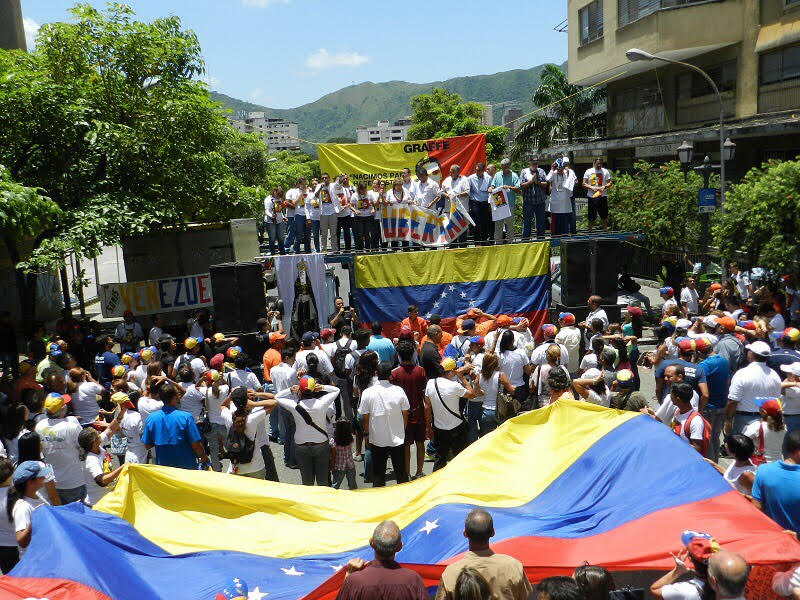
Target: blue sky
x,y
284,53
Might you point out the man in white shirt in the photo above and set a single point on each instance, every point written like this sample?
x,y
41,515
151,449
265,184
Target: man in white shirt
x,y
562,181
742,280
296,198
455,190
311,344
60,449
384,409
409,185
479,208
690,299
426,190
681,396
595,312
443,421
596,181
192,357
538,356
129,333
569,336
284,377
754,381
326,196
156,330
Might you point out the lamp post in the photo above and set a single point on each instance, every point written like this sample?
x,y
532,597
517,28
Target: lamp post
x,y
636,54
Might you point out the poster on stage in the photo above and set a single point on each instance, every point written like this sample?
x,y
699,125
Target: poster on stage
x,y
411,223
498,200
366,162
187,292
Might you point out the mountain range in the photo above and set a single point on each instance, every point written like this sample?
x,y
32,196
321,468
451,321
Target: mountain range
x,y
336,115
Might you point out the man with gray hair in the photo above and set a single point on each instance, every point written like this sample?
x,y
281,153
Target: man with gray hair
x,y
503,573
382,578
455,190
727,575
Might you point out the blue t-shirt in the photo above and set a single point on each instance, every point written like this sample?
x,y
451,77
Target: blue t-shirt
x,y
384,348
511,180
777,487
693,373
172,431
716,370
782,356
104,363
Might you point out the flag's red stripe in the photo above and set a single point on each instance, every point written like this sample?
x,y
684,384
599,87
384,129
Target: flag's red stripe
x,y
20,588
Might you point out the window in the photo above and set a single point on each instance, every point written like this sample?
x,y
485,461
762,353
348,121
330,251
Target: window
x,y
781,65
590,18
629,11
694,85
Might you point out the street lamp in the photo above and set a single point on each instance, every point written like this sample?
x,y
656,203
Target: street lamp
x,y
636,54
685,152
729,149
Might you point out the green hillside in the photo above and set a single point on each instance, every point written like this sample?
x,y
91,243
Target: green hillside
x,y
338,114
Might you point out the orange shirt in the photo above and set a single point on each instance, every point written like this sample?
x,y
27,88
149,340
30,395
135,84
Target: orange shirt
x,y
271,358
446,339
419,325
482,325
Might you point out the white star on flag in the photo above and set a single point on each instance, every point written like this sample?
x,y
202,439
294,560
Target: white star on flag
x,y
256,594
335,567
471,303
430,526
463,294
428,315
292,572
444,294
435,305
452,288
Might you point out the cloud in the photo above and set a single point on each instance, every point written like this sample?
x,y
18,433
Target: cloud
x,y
31,31
259,96
262,3
321,59
211,81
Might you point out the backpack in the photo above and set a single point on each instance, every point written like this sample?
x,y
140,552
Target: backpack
x,y
687,429
238,447
340,359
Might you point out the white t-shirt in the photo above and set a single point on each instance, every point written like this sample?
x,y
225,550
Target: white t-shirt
x,y
317,409
243,378
595,314
132,427
570,338
8,538
742,284
425,193
691,299
601,177
773,440
667,303
92,467
667,409
384,403
452,391
489,387
363,205
313,207
374,198
341,197
393,198
255,422
273,210
84,400
327,199
23,509
539,380
696,426
539,357
294,195
589,361
283,376
683,590
513,363
753,381
732,474
193,401
147,406
197,364
453,189
139,375
790,400
325,365
215,404
61,450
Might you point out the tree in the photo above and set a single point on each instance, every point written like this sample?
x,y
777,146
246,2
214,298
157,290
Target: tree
x,y
341,140
443,114
571,113
107,117
659,202
289,167
762,217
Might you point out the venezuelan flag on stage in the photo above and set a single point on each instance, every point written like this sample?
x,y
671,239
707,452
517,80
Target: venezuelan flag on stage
x,y
512,280
569,483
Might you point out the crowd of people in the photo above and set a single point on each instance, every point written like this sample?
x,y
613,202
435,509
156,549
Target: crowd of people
x,y
727,382
338,215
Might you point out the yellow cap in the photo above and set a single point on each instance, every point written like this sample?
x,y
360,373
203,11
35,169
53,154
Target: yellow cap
x,y
119,398
118,371
448,364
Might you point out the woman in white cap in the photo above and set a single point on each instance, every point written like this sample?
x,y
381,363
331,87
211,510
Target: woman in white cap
x,y
27,480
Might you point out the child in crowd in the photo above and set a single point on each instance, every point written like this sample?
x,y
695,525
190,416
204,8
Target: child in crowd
x,y
342,454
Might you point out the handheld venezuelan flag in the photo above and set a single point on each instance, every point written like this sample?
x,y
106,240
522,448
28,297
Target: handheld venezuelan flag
x,y
570,483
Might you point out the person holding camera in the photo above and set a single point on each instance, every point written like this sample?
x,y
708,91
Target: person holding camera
x,y
344,316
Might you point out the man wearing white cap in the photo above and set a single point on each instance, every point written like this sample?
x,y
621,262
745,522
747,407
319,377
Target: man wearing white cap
x,y
753,381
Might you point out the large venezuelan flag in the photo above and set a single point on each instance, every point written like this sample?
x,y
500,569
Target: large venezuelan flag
x,y
570,483
512,280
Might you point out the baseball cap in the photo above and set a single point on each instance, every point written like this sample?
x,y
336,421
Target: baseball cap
x,y
791,334
715,286
129,357
216,361
55,401
327,333
727,322
307,384
448,364
146,353
792,369
549,329
308,338
634,311
219,337
30,469
702,344
121,399
566,160
476,339
504,321
211,375
119,371
190,343
406,333
686,345
591,373
625,378
710,321
683,324
559,163
275,336
666,291
239,396
669,325
467,324
701,548
771,406
567,317
759,348
233,351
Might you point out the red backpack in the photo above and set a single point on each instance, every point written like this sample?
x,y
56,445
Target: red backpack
x,y
687,432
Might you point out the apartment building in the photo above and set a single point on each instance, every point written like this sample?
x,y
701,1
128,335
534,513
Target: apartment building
x,y
276,133
383,132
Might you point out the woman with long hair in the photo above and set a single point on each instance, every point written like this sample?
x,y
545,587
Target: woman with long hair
x,y
471,585
769,431
9,553
595,582
27,480
214,393
30,449
539,387
591,386
515,364
14,420
487,385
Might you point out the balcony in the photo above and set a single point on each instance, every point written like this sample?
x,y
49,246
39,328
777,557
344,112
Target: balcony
x,y
704,108
783,95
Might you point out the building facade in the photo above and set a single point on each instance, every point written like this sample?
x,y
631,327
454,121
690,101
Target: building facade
x,y
383,132
276,133
487,120
750,48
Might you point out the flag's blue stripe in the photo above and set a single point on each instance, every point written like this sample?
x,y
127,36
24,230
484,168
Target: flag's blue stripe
x,y
503,296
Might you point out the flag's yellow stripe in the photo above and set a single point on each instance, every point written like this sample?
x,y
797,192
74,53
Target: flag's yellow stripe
x,y
457,265
188,511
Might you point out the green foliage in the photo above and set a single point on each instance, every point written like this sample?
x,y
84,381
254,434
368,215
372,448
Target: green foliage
x,y
443,114
571,113
289,167
341,140
246,156
762,217
24,212
339,113
660,203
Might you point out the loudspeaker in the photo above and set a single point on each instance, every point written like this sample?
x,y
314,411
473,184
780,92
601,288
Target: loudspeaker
x,y
605,269
239,298
575,271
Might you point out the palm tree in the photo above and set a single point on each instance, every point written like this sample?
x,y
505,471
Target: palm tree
x,y
574,113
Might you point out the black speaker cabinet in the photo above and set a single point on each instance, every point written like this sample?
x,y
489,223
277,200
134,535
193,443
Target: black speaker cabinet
x,y
239,298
